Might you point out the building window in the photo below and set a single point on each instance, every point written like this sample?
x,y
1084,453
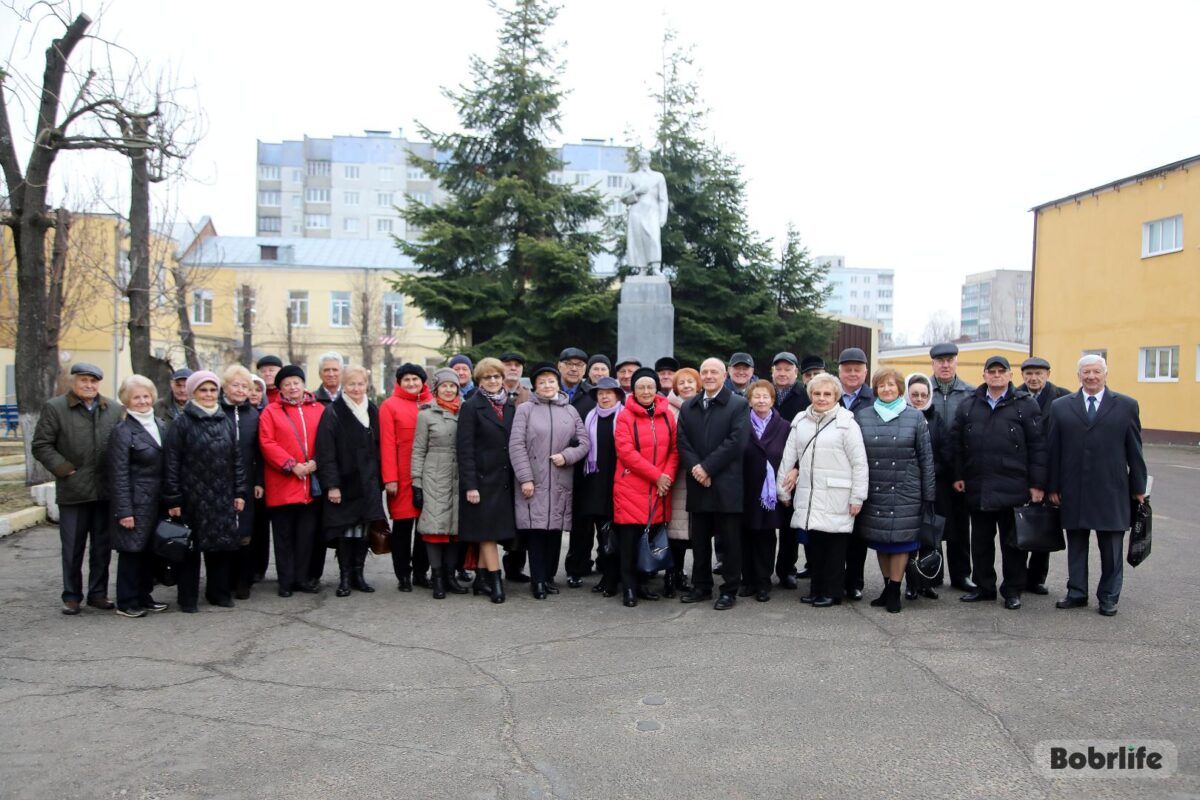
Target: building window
x,y
268,198
384,199
393,310
1159,364
1162,236
237,307
350,172
581,178
616,181
350,225
202,306
267,172
854,279
298,304
270,224
417,174
884,293
421,197
317,222
319,169
268,252
383,225
297,176
385,174
316,196
350,198
296,201
854,293
339,309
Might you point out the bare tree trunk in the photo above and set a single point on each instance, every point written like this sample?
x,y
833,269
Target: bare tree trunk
x,y
291,349
141,358
247,325
389,361
186,336
368,347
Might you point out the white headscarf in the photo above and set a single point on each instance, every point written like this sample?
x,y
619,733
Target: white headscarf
x,y
908,384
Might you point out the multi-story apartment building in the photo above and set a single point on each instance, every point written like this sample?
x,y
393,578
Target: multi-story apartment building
x,y
353,187
995,305
858,292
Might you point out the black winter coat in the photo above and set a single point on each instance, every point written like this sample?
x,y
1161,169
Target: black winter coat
x,y
348,460
594,493
715,439
754,471
1000,454
900,464
483,465
943,460
244,419
204,476
135,477
865,399
796,401
1048,395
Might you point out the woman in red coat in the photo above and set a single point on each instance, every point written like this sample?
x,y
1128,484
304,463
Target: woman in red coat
x,y
647,459
397,427
287,437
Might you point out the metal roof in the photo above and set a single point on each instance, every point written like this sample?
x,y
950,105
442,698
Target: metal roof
x,y
246,251
1141,176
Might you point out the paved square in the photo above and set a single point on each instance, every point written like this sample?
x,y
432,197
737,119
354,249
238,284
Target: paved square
x,y
399,695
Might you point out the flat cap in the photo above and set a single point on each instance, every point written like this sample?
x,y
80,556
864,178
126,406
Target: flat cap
x,y
269,361
785,356
625,361
996,361
943,349
744,359
181,374
810,363
852,355
511,356
1035,363
666,362
572,352
83,368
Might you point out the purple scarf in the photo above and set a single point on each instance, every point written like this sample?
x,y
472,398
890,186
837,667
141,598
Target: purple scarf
x,y
766,497
590,466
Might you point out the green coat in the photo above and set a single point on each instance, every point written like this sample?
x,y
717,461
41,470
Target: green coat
x,y
70,439
435,470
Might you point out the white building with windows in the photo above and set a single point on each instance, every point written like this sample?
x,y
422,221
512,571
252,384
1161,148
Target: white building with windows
x,y
995,305
860,292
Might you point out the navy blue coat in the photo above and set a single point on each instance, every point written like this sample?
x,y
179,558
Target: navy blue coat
x,y
900,461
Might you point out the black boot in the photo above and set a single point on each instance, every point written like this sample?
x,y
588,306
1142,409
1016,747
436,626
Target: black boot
x,y
881,601
681,581
497,586
480,586
452,584
630,600
538,590
343,559
357,579
438,584
668,585
893,596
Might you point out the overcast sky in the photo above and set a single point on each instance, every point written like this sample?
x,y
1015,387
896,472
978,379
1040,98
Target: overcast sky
x,y
907,135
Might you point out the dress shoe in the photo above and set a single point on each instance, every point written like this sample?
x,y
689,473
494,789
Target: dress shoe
x,y
808,598
803,574
607,592
646,594
551,587
404,584
1071,602
824,602
745,591
696,596
133,612
102,603
788,582
189,610
1108,610
763,596
422,580
854,594
574,582
70,607
929,594
243,592
598,588
538,590
965,584
224,602
1012,603
1039,589
911,594
977,596
308,587
282,593
516,577
154,605
630,600
724,602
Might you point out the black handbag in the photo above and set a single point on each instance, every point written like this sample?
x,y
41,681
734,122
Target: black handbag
x,y
933,526
1037,528
173,540
1140,531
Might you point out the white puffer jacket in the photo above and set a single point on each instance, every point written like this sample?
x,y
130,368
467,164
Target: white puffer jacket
x,y
833,470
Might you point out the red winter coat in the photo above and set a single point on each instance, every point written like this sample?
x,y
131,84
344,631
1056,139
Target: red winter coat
x,y
397,427
281,448
638,467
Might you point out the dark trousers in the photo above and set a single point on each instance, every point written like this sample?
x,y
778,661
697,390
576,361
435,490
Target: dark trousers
x,y
629,538
1037,568
580,544
260,541
216,578
1112,567
984,526
856,559
758,555
409,557
957,537
319,552
513,558
76,522
443,555
294,527
789,553
543,548
827,563
726,529
135,579
679,548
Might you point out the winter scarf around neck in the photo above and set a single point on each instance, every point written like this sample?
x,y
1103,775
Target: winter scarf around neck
x,y
889,411
358,409
146,418
766,497
593,417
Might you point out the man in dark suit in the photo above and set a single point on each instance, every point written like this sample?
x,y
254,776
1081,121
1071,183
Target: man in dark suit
x,y
1036,373
790,399
852,372
949,391
1096,471
714,427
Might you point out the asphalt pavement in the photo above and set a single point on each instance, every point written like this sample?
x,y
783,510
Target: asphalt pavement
x,y
399,695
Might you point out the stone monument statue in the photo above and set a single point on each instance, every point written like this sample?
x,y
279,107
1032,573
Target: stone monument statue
x,y
646,199
645,315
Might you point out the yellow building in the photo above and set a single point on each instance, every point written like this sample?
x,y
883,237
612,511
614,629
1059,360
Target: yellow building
x,y
95,314
307,297
971,358
1116,272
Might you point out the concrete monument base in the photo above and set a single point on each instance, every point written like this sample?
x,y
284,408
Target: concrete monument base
x,y
645,319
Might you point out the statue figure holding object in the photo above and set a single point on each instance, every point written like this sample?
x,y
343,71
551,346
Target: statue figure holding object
x,y
646,199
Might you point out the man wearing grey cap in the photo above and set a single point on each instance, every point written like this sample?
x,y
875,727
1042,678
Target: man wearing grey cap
x,y
852,372
71,440
949,391
1036,373
741,373
167,408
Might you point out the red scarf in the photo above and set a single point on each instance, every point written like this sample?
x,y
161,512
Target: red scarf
x,y
451,406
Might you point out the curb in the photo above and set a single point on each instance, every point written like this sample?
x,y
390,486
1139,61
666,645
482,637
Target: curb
x,y
20,520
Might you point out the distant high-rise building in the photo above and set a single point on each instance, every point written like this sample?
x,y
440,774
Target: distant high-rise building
x,y
995,305
860,292
353,187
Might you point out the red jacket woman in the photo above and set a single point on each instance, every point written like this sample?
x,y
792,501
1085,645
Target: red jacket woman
x,y
287,435
645,450
397,428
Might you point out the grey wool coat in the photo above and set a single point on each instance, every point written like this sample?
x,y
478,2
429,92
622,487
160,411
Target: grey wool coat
x,y
435,470
540,429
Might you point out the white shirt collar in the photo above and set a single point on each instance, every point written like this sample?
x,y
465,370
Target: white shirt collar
x,y
1099,397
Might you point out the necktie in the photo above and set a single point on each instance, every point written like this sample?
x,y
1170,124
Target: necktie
x,y
1091,407
706,402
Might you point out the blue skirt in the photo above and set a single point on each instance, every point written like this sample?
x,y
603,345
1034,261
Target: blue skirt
x,y
894,547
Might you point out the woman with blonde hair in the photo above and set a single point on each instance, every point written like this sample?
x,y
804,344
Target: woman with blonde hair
x,y
236,385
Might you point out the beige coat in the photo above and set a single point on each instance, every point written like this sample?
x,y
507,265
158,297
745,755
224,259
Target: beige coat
x,y
435,470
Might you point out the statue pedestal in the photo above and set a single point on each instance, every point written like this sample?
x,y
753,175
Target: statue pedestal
x,y
645,319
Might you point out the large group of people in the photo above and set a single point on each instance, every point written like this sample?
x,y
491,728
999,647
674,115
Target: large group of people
x,y
453,468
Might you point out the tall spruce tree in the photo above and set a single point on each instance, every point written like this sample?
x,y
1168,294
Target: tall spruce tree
x,y
798,288
505,260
